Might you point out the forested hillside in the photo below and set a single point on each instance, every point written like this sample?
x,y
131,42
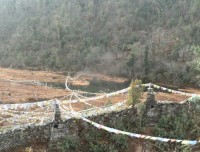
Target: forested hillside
x,y
154,40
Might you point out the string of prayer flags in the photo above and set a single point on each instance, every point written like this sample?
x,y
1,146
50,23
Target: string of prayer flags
x,y
173,91
25,105
146,137
45,103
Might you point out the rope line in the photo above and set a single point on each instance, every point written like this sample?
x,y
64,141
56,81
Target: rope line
x,y
42,103
7,107
135,135
78,115
174,91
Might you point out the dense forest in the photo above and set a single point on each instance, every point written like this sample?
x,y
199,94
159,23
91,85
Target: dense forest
x,y
153,40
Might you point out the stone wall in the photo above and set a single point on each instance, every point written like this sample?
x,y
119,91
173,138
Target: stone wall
x,y
51,134
26,137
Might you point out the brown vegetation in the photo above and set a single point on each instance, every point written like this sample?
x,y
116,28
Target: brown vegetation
x,y
42,76
16,93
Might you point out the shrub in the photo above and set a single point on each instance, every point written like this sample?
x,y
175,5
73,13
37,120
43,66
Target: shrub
x,y
69,144
135,92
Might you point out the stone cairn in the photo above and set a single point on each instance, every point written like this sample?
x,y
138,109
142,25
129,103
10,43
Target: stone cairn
x,y
150,102
57,115
56,132
151,105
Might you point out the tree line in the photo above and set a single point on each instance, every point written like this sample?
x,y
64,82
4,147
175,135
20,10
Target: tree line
x,y
152,40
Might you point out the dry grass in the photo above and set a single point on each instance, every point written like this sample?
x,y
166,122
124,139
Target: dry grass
x,y
99,103
170,97
17,93
42,76
49,76
86,78
160,96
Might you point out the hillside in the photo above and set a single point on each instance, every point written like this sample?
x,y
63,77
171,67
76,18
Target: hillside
x,y
145,39
100,75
